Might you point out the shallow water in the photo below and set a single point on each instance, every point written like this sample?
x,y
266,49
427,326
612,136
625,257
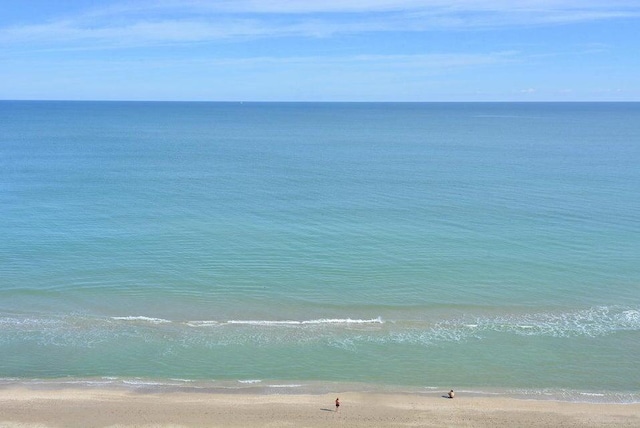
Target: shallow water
x,y
416,245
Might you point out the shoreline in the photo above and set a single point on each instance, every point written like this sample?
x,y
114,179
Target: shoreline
x,y
101,407
306,387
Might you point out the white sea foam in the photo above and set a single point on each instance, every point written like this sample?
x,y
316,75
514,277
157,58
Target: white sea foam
x,y
142,318
141,382
262,323
344,333
202,323
593,322
307,322
577,396
29,322
345,321
590,322
631,316
250,381
87,382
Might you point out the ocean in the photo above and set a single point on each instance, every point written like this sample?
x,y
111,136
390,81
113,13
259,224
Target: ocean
x,y
485,247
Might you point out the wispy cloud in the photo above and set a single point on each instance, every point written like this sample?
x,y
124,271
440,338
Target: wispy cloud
x,y
147,23
373,6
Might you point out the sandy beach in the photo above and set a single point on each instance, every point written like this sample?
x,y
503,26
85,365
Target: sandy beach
x,y
21,407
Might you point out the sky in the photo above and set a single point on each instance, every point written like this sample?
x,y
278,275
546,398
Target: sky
x,y
312,50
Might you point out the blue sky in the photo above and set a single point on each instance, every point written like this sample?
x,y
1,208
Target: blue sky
x,y
331,50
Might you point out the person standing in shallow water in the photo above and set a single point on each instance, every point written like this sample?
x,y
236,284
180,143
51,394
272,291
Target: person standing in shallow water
x,y
337,404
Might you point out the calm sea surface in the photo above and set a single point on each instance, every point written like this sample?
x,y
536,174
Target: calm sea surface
x,y
493,247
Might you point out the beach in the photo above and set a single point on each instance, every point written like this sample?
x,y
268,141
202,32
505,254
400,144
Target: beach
x,y
24,407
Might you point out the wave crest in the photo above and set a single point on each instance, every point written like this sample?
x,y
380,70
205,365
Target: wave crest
x,y
307,322
143,319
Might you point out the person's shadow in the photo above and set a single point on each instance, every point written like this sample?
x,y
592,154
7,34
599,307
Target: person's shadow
x,y
327,410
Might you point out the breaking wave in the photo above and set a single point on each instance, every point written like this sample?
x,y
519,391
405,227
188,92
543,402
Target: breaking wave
x,y
85,331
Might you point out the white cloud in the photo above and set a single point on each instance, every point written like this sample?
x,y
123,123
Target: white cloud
x,y
372,6
171,21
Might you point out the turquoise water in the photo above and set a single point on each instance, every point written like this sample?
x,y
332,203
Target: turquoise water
x,y
491,246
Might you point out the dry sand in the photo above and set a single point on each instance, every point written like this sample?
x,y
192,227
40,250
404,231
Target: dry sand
x,y
21,407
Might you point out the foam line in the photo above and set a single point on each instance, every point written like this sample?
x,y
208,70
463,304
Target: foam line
x,y
142,318
307,322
